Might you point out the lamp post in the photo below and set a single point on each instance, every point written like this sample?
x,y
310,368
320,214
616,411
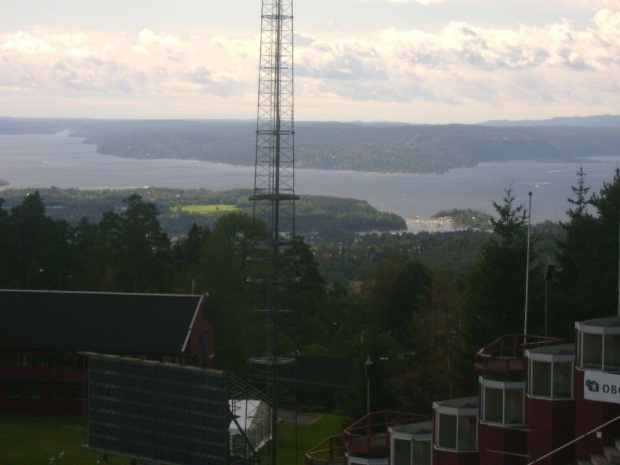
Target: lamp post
x,y
527,266
367,365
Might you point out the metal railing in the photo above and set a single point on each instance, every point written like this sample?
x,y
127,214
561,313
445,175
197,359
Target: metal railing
x,y
506,354
370,434
328,452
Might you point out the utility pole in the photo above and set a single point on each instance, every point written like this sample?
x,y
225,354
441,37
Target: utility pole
x,y
527,266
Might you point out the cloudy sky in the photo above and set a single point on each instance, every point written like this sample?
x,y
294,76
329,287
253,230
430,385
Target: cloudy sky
x,y
418,61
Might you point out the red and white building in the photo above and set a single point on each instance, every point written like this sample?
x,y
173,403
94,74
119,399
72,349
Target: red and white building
x,y
539,401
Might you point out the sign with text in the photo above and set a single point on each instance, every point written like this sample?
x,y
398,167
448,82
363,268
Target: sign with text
x,y
601,386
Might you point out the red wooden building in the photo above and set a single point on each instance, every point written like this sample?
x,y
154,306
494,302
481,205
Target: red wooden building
x,y
43,332
539,401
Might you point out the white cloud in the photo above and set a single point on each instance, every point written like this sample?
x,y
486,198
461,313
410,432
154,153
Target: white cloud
x,y
143,63
463,63
28,44
562,63
169,45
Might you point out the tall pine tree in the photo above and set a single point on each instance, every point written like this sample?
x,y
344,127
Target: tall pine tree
x,y
570,292
495,287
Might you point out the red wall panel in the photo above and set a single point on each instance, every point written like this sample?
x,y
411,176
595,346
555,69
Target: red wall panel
x,y
501,446
550,425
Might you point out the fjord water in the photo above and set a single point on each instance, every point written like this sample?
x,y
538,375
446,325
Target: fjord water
x,y
37,161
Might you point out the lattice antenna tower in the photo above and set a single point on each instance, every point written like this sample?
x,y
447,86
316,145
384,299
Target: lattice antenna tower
x,y
272,360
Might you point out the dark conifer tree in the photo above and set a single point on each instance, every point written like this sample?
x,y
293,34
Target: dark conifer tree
x,y
495,287
570,296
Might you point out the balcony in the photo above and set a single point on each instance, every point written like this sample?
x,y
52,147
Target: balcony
x,y
369,436
506,355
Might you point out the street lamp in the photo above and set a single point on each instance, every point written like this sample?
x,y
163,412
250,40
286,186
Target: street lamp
x,y
367,365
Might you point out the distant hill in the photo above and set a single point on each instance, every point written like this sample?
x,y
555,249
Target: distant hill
x,y
377,147
599,121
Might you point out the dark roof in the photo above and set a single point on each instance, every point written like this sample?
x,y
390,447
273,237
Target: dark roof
x,y
423,427
609,322
562,349
135,324
465,402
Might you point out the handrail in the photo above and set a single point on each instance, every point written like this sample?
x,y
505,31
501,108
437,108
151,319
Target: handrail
x,y
327,452
506,354
549,454
370,434
375,424
386,418
510,345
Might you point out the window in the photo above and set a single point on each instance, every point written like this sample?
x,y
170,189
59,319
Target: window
x,y
402,452
513,406
447,431
540,378
493,405
457,430
592,350
598,345
563,380
421,453
503,402
551,377
467,428
611,359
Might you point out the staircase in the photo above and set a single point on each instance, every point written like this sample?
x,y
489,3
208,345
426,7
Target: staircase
x,y
611,455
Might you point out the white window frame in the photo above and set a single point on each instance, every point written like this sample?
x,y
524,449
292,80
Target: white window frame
x,y
583,328
551,359
504,386
456,412
425,438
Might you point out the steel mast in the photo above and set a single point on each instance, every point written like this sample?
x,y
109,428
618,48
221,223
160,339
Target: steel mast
x,y
272,360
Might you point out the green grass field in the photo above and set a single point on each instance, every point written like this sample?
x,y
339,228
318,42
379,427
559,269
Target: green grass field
x,y
205,209
308,436
34,440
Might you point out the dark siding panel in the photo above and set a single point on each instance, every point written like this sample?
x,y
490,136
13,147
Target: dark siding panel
x,y
511,441
443,457
550,425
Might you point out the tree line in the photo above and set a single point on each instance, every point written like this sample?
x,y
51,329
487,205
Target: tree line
x,y
327,217
404,300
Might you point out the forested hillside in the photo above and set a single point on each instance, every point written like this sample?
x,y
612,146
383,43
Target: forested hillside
x,y
395,148
325,217
419,305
